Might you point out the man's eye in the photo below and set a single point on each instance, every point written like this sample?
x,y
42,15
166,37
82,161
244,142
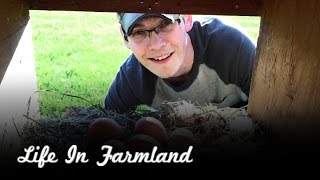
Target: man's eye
x,y
139,33
165,25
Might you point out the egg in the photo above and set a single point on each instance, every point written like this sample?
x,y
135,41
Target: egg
x,y
180,139
142,143
103,129
117,145
152,127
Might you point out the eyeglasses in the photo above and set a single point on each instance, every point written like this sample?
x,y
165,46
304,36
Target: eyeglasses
x,y
140,36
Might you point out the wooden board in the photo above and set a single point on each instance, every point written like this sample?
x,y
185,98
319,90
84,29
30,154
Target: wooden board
x,y
285,92
216,7
14,16
18,83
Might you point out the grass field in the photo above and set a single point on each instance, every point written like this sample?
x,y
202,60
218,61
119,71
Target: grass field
x,y
79,53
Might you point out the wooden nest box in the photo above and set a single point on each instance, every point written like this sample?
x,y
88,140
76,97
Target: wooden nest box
x,y
285,91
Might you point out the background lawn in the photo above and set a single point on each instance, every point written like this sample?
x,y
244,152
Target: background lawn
x,y
79,53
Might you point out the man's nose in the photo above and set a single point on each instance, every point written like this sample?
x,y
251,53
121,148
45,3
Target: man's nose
x,y
155,40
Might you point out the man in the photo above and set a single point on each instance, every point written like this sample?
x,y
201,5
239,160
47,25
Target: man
x,y
175,58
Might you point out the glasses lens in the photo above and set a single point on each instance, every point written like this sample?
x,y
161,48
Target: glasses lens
x,y
139,35
163,29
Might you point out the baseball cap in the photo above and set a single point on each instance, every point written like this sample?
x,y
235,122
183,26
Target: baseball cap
x,y
129,20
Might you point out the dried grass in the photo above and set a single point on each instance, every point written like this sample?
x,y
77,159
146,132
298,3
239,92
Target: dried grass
x,y
212,127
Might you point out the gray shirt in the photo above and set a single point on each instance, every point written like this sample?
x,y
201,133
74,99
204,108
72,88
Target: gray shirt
x,y
221,73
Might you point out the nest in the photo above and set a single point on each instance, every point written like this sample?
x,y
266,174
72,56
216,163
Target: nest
x,y
212,127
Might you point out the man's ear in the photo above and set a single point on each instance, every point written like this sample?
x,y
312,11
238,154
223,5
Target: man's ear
x,y
188,22
124,40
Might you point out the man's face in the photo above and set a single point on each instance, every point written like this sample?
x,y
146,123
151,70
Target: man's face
x,y
168,54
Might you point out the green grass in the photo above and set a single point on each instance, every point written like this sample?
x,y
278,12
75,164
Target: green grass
x,y
79,53
76,53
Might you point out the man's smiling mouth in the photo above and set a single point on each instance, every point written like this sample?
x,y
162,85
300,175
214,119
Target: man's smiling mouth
x,y
162,58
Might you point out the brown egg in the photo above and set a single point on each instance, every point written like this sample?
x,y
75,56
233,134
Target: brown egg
x,y
180,140
152,127
117,145
103,129
142,143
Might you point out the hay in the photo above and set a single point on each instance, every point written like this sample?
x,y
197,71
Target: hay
x,y
211,127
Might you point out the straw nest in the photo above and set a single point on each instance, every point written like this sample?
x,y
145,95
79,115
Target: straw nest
x,y
211,127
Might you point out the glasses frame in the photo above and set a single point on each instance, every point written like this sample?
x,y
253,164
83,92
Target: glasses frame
x,y
155,29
